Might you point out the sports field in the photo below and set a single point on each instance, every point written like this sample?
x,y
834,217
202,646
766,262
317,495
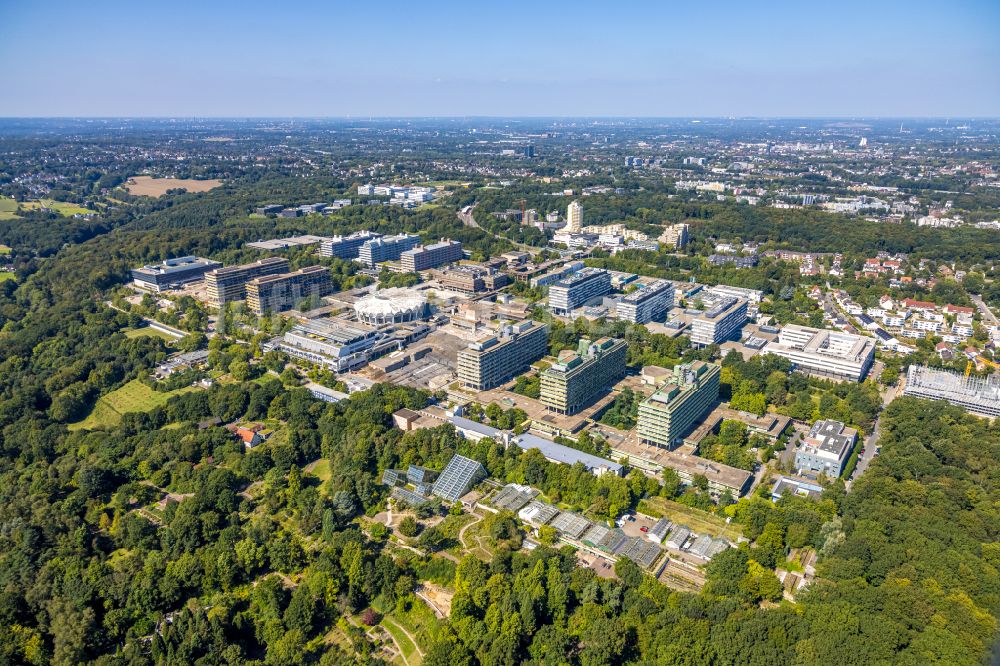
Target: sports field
x,y
147,186
132,397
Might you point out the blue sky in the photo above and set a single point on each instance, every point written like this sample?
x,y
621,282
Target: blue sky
x,y
667,58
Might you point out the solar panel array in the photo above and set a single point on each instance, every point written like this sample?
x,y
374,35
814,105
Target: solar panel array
x,y
458,477
513,498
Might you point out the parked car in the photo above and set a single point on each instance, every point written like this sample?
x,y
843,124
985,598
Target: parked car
x,y
643,529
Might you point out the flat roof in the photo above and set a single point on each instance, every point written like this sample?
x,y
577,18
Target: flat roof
x,y
292,241
177,265
481,428
565,454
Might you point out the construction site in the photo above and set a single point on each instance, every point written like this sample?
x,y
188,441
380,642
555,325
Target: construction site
x,y
976,395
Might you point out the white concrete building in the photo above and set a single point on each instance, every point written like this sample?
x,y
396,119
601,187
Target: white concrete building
x,y
824,353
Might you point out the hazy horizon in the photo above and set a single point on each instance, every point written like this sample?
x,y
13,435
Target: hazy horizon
x,y
557,60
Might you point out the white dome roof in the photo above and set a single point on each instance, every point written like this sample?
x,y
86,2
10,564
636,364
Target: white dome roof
x,y
390,303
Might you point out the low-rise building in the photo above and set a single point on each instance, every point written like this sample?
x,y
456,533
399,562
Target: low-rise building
x,y
825,353
330,343
826,448
565,455
172,272
976,395
471,279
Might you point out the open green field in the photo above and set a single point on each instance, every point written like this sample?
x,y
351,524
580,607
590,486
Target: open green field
x,y
320,469
6,275
700,521
420,621
405,644
61,207
8,211
149,331
132,397
5,249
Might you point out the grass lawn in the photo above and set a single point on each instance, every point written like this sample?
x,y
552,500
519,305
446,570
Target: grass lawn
x,y
700,521
61,207
6,275
321,470
420,621
404,643
149,331
132,397
4,249
8,211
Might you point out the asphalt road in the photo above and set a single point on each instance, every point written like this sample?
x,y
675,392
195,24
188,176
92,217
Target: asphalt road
x,y
871,444
986,312
470,221
467,219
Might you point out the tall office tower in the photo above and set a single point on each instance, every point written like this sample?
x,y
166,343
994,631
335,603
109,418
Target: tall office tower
x,y
387,248
572,292
650,303
568,385
670,413
489,363
430,256
574,217
277,293
230,283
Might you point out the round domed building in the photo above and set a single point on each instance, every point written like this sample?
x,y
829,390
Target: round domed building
x,y
391,306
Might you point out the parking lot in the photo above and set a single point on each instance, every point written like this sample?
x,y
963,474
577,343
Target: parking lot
x,y
634,527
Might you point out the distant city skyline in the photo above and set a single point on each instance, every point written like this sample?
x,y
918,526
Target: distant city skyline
x,y
311,59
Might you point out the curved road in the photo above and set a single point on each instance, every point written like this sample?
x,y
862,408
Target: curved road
x,y
469,220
